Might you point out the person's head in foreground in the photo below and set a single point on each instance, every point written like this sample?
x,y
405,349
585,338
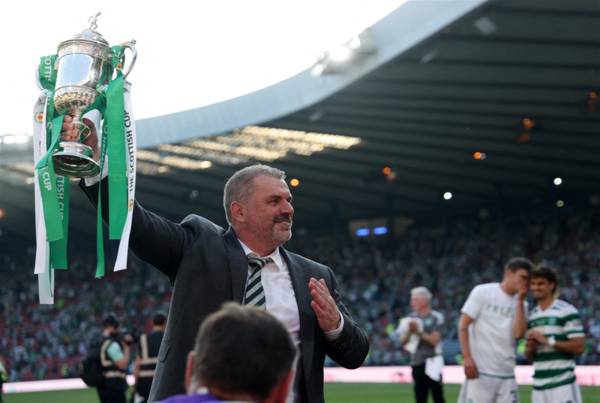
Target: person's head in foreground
x,y
241,354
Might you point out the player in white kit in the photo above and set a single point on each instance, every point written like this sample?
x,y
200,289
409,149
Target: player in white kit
x,y
493,317
554,338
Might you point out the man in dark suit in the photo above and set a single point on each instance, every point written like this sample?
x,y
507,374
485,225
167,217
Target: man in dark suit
x,y
208,265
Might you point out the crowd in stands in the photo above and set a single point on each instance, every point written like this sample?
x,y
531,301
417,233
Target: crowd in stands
x,y
450,260
375,276
49,341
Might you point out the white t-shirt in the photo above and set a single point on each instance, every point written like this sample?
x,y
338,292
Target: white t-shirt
x,y
491,334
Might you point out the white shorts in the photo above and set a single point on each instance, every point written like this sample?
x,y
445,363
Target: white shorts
x,y
488,389
561,394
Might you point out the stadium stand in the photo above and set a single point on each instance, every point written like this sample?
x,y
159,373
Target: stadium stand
x,y
376,275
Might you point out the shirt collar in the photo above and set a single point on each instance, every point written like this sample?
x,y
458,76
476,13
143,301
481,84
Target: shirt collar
x,y
549,306
275,255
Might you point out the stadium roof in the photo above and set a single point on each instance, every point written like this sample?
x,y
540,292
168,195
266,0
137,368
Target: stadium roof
x,y
491,101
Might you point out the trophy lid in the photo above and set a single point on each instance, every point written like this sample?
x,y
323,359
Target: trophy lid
x,y
88,35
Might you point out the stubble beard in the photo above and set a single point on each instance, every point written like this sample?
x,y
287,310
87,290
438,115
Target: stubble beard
x,y
281,236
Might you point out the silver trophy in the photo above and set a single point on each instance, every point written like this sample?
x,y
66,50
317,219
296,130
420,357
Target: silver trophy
x,y
84,66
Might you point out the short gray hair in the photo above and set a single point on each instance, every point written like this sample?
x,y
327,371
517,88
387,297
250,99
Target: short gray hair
x,y
239,186
421,291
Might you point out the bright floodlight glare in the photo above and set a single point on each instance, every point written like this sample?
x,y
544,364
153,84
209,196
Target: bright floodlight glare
x,y
557,181
362,232
340,54
380,230
447,195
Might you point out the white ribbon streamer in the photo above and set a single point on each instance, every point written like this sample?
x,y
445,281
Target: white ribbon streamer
x,y
130,151
42,252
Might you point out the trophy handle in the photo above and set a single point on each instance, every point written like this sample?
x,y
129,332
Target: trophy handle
x,y
131,46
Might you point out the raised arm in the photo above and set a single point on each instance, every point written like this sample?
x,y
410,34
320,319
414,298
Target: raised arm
x,y
520,324
154,239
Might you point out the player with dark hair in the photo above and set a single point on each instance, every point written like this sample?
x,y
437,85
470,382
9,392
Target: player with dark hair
x,y
555,337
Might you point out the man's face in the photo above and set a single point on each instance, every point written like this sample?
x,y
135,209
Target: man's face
x,y
418,302
269,211
519,279
541,288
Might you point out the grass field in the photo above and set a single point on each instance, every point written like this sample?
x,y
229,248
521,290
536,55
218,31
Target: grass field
x,y
334,393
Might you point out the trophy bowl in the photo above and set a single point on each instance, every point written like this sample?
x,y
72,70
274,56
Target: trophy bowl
x,y
73,158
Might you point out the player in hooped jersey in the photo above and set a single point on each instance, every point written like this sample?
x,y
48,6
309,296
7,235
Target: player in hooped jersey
x,y
493,317
554,338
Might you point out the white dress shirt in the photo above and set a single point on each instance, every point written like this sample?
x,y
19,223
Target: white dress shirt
x,y
281,302
279,292
280,296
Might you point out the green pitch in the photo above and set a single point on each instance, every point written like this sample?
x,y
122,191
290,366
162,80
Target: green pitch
x,y
334,393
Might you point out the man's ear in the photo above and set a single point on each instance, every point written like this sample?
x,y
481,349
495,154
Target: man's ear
x,y
189,371
237,211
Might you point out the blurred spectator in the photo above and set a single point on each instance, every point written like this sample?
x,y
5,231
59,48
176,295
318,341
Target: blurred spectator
x,y
145,362
3,377
420,334
114,358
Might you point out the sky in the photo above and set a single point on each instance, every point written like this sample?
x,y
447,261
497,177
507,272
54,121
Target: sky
x,y
190,53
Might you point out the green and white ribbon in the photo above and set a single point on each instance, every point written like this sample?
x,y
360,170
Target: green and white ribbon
x,y
118,139
130,152
123,178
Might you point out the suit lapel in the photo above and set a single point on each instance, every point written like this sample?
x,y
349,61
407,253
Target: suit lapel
x,y
300,277
238,265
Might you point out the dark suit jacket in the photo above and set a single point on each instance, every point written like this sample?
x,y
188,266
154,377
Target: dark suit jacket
x,y
207,267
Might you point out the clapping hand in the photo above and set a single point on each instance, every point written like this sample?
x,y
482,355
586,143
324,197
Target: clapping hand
x,y
324,305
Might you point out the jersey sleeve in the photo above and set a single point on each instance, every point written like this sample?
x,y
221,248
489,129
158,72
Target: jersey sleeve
x,y
472,306
573,327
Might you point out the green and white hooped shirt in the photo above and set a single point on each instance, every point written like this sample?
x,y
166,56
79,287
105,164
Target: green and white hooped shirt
x,y
554,368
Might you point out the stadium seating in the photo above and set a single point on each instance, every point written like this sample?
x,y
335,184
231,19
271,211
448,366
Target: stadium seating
x,y
46,342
